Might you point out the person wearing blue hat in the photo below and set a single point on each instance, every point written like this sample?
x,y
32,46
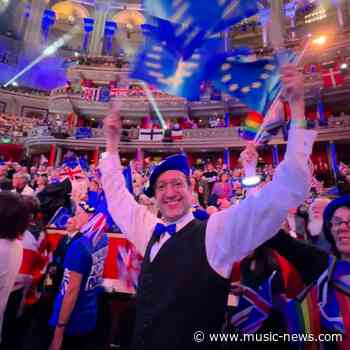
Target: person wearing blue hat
x,y
329,273
184,281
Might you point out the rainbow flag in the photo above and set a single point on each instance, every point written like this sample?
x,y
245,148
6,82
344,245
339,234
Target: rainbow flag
x,y
251,126
303,315
334,296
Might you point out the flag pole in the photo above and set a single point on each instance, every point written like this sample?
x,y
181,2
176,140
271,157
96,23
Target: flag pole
x,y
152,101
276,100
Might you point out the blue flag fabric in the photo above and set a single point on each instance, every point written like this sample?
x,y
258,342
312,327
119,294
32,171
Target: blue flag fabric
x,y
128,179
70,160
99,202
84,163
275,156
83,133
255,82
163,67
334,161
181,42
253,307
211,16
322,119
60,218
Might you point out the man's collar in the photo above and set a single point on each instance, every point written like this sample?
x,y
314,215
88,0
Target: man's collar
x,y
183,221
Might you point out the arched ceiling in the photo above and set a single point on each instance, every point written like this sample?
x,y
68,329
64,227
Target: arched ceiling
x,y
69,11
129,18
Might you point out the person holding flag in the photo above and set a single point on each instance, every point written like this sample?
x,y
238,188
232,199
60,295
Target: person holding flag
x,y
184,281
74,314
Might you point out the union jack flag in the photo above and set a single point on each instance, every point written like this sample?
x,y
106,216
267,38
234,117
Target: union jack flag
x,y
129,266
253,308
95,228
71,173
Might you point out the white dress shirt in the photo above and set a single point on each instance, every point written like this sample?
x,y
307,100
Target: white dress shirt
x,y
11,253
233,233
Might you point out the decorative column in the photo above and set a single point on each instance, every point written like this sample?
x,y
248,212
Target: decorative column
x,y
52,156
58,157
96,156
338,5
101,15
32,40
227,158
276,25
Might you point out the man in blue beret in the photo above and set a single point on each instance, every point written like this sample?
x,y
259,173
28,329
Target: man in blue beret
x,y
184,281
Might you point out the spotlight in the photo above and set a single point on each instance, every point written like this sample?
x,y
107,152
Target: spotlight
x,y
14,83
321,40
76,54
50,50
344,66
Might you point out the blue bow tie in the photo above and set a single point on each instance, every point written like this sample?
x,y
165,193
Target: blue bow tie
x,y
160,229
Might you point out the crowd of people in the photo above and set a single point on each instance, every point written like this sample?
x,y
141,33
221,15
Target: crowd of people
x,y
14,126
214,189
219,253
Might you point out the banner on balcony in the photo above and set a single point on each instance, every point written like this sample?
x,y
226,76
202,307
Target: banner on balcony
x,y
91,94
151,135
83,133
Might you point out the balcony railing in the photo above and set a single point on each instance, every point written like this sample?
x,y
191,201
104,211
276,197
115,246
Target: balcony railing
x,y
337,129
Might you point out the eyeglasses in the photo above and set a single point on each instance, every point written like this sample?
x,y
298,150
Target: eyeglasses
x,y
175,184
338,223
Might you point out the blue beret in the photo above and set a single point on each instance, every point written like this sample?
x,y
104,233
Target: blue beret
x,y
176,162
200,214
333,206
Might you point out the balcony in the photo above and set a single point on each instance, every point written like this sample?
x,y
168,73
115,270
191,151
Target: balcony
x,y
193,139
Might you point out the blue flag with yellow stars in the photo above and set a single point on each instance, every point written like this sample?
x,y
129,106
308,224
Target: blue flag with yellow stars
x,y
210,16
181,41
255,82
162,66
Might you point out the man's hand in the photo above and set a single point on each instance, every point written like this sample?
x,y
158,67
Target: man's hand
x,y
249,157
293,90
112,126
57,340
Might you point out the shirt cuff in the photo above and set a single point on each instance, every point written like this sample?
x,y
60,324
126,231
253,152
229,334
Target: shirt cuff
x,y
300,141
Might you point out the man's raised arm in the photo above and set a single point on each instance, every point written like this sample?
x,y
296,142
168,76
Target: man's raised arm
x,y
135,220
234,232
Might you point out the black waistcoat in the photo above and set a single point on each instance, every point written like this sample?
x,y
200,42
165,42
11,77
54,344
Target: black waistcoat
x,y
179,294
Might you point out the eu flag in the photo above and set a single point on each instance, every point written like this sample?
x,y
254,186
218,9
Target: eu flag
x,y
209,16
165,68
255,82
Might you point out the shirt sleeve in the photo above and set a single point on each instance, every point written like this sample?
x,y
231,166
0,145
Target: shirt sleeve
x,y
236,231
133,219
78,258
